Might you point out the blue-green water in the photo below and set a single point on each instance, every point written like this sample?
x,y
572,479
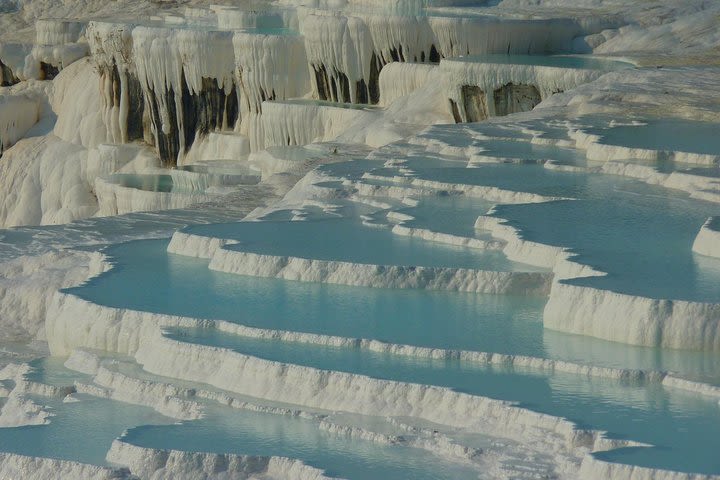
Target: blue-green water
x,y
147,278
670,134
640,234
347,240
530,151
80,431
530,178
454,214
263,434
149,183
681,425
84,431
560,61
642,240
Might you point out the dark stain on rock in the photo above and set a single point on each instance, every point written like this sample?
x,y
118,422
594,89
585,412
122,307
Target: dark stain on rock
x,y
48,71
513,98
7,77
455,111
474,102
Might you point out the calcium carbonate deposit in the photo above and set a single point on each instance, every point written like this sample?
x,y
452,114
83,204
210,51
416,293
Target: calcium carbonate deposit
x,y
359,239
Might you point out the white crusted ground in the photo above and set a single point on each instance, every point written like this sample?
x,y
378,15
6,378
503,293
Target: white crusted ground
x,y
62,140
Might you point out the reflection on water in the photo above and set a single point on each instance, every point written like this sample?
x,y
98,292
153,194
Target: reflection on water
x,y
644,413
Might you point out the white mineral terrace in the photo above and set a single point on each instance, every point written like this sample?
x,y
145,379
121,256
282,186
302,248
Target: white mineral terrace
x,y
359,239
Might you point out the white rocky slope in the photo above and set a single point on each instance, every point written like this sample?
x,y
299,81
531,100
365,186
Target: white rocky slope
x,y
182,76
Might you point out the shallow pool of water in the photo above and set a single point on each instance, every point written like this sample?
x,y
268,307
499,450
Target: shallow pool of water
x,y
147,278
452,214
681,425
83,431
644,241
80,431
560,61
263,434
641,235
663,134
348,240
147,182
525,151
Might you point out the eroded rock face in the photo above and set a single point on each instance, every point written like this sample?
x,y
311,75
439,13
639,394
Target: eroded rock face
x,y
321,80
455,111
475,103
48,71
510,98
125,94
210,109
136,123
374,81
7,77
513,98
164,122
334,85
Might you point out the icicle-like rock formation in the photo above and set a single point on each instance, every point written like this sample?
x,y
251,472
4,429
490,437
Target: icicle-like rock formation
x,y
173,86
121,93
400,79
188,83
340,54
58,32
174,80
58,43
483,88
487,35
302,122
267,67
165,85
347,52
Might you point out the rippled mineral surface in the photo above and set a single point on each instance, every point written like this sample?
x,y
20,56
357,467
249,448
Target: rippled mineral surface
x,y
359,239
